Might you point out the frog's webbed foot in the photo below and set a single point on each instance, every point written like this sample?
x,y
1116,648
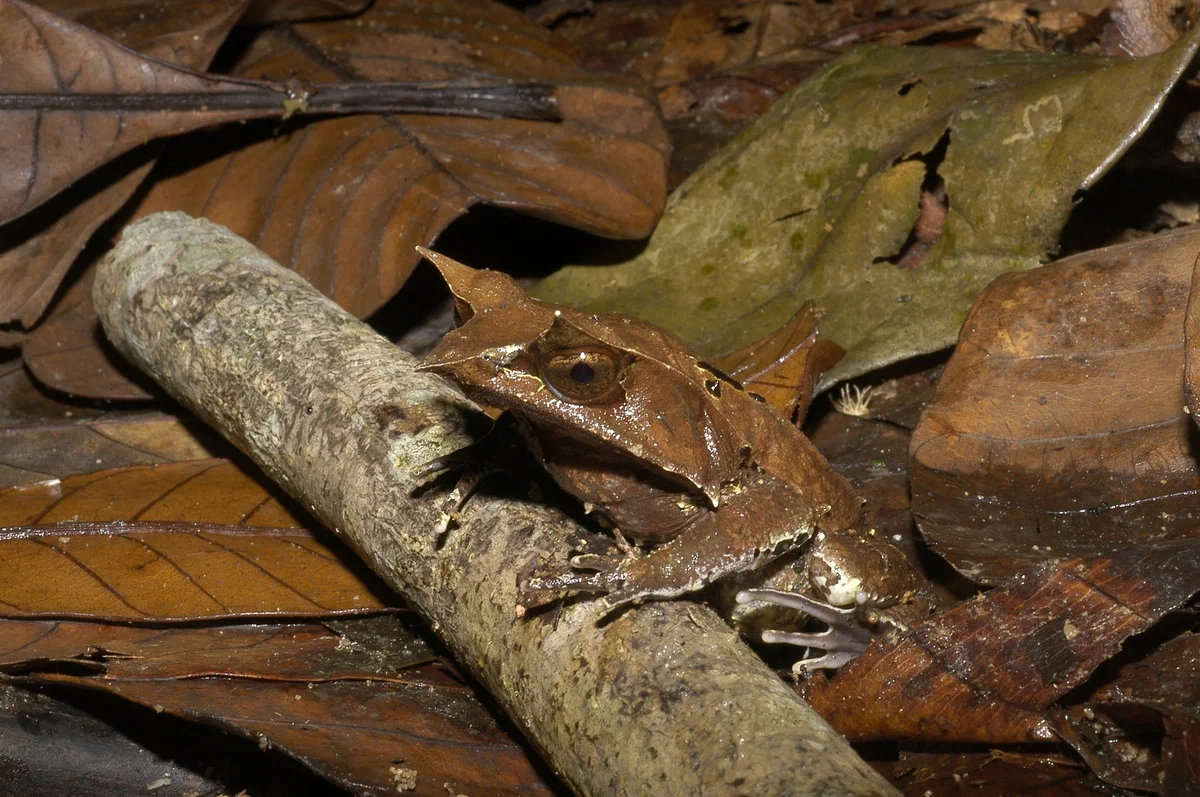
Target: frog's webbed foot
x,y
751,528
842,642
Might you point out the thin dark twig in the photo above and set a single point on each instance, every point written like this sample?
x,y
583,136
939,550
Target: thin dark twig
x,y
534,101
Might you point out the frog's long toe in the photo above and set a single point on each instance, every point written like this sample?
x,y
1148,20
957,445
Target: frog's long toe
x,y
842,642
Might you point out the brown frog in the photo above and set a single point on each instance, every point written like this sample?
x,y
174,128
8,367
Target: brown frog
x,y
667,448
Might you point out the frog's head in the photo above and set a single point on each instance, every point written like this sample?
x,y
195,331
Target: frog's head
x,y
614,381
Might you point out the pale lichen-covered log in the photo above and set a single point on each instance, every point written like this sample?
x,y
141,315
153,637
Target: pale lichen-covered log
x,y
664,699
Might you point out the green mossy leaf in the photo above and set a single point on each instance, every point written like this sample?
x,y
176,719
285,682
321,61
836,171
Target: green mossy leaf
x,y
817,199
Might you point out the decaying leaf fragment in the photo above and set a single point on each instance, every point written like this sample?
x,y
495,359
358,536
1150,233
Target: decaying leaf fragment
x,y
820,198
1059,426
987,669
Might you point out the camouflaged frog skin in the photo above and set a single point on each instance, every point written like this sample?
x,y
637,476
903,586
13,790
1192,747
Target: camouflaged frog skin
x,y
669,450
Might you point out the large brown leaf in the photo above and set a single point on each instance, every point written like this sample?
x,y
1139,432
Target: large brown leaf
x,y
346,698
344,201
36,251
987,670
72,99
170,542
1059,426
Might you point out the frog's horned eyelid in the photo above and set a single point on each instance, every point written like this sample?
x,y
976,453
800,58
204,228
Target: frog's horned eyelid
x,y
480,288
443,263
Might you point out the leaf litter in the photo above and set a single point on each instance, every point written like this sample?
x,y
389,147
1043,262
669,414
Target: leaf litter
x,y
937,221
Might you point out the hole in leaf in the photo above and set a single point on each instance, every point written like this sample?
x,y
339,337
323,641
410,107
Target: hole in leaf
x,y
934,207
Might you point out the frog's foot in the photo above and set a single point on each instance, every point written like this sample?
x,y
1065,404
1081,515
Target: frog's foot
x,y
842,642
588,573
492,454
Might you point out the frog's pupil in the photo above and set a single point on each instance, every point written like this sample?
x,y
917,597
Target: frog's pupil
x,y
582,373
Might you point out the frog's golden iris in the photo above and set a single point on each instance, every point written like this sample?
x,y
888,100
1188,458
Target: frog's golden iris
x,y
583,376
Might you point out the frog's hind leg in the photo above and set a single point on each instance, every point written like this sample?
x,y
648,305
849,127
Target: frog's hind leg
x,y
842,642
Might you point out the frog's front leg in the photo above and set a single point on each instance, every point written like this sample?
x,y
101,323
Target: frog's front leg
x,y
493,453
754,523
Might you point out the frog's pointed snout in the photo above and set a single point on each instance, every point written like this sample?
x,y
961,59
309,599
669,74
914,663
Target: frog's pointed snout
x,y
449,357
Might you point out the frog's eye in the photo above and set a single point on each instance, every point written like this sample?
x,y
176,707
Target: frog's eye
x,y
581,375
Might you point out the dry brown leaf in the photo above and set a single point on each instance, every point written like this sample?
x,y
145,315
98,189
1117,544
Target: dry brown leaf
x,y
37,249
987,669
48,148
163,572
343,201
1059,427
348,699
379,648
23,403
215,491
421,736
